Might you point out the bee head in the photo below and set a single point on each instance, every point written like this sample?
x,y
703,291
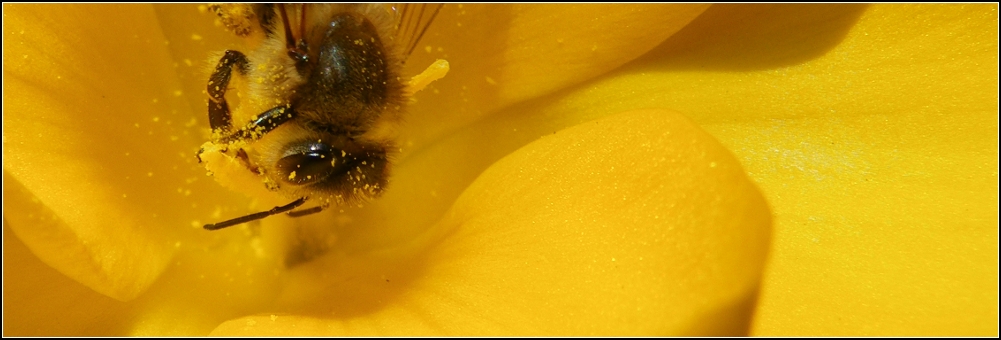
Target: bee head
x,y
331,169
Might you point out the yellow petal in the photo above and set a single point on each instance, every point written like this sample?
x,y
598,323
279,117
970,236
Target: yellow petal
x,y
500,55
100,176
637,224
872,130
39,301
193,38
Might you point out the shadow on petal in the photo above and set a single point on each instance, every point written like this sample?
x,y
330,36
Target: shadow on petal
x,y
737,37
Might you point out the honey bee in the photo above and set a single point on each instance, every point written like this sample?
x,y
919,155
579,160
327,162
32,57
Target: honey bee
x,y
324,90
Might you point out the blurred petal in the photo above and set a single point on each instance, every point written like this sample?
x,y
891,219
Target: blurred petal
x,y
200,289
193,39
872,131
100,178
206,285
636,224
39,301
501,55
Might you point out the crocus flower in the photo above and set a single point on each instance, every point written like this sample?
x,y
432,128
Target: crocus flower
x,y
557,182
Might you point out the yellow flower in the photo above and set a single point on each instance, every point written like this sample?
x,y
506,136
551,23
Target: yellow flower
x,y
543,188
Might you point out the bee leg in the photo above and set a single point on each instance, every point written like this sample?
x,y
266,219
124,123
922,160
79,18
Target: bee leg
x,y
256,216
264,123
305,212
219,117
245,160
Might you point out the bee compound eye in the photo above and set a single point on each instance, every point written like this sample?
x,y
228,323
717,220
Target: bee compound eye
x,y
307,163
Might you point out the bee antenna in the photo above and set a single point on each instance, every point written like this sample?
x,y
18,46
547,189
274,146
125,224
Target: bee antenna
x,y
295,51
256,216
302,23
305,212
289,39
